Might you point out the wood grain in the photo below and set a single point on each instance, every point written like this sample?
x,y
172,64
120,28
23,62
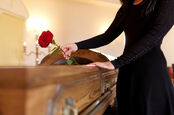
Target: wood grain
x,y
27,90
44,89
87,54
170,69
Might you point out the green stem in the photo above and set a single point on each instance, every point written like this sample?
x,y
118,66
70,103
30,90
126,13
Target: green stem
x,y
74,60
71,57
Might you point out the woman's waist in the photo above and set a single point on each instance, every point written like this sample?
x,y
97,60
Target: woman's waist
x,y
128,48
155,54
152,59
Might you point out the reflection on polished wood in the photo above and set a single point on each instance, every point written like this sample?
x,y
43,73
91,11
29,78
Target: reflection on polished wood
x,y
171,73
89,55
56,90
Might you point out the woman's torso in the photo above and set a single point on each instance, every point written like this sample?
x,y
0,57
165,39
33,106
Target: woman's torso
x,y
135,26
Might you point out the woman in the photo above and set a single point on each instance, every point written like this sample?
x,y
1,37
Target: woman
x,y
144,86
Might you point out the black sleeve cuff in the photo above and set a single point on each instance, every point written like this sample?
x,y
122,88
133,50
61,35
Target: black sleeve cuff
x,y
115,63
80,46
77,46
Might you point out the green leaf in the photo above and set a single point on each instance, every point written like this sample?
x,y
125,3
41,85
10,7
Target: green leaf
x,y
69,62
53,42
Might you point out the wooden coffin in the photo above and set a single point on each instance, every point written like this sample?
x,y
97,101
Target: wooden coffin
x,y
170,70
56,90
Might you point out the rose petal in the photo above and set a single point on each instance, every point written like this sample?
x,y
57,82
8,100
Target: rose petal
x,y
45,38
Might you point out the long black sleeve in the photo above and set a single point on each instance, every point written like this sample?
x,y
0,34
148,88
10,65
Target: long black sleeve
x,y
161,24
111,33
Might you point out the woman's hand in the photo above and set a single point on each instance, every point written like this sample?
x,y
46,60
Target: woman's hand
x,y
106,65
68,49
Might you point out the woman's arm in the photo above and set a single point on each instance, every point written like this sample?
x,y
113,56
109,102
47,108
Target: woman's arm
x,y
162,23
112,32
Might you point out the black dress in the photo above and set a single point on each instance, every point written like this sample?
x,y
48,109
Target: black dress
x,y
143,86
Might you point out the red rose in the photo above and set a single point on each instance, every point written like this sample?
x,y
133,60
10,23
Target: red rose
x,y
45,38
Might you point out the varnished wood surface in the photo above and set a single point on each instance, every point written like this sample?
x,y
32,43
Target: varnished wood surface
x,y
24,77
170,69
83,53
34,90
106,102
45,89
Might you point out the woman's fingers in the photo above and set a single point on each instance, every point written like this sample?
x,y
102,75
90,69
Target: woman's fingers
x,y
106,65
94,63
65,49
67,54
68,49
